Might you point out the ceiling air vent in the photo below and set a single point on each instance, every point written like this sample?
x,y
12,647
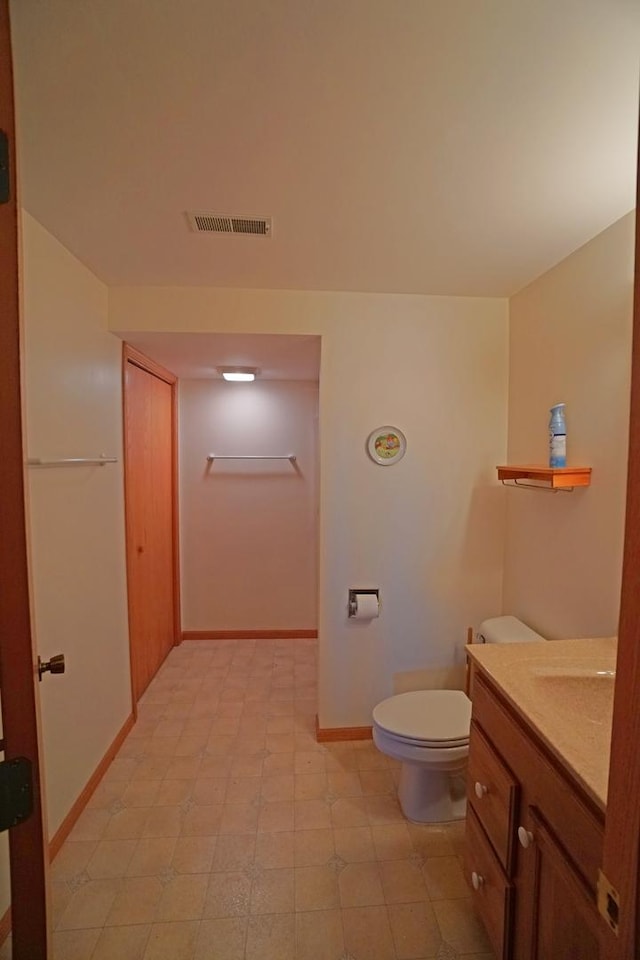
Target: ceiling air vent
x,y
216,223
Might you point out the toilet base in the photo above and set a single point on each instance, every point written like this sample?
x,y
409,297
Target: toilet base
x,y
431,796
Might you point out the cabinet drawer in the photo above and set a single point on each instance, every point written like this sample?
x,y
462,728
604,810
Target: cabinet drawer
x,y
493,794
494,894
543,782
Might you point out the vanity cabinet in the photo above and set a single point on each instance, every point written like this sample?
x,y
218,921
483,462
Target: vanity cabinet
x,y
534,839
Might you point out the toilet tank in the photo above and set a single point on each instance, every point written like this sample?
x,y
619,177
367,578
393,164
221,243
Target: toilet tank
x,y
505,630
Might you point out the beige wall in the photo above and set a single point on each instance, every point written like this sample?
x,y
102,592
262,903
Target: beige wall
x,y
427,531
570,336
249,538
76,514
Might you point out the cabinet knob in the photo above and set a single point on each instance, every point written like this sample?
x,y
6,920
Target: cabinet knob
x,y
480,790
525,837
477,880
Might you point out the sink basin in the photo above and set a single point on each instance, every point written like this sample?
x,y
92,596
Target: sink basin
x,y
583,668
582,688
578,672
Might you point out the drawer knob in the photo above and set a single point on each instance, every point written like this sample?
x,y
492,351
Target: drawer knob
x,y
480,790
477,880
525,837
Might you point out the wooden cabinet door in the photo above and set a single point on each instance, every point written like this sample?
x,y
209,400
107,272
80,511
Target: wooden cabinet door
x,y
151,516
556,918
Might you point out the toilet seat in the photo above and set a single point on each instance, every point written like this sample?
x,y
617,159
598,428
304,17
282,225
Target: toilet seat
x,y
431,744
427,718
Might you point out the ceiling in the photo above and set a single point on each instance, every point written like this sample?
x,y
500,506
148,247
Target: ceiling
x,y
196,356
449,147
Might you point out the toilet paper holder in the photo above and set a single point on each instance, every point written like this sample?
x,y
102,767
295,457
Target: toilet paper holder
x,y
353,598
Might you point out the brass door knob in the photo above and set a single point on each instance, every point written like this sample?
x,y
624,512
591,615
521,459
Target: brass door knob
x,y
55,665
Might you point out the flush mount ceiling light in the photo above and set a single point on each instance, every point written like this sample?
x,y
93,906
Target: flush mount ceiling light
x,y
238,374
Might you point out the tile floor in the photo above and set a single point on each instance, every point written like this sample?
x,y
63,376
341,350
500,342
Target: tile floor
x,y
224,831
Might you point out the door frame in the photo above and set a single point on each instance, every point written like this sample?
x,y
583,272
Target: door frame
x,y
138,359
28,856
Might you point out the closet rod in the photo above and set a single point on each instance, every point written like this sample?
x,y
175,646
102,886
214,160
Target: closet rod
x,y
71,461
214,456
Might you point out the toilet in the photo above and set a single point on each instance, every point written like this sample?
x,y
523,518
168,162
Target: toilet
x,y
428,732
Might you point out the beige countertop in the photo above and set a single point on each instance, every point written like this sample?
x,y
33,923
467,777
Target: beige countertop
x,y
564,690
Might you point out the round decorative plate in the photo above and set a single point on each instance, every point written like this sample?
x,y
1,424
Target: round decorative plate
x,y
386,445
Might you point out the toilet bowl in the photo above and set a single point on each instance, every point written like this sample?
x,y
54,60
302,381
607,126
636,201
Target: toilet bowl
x,y
428,732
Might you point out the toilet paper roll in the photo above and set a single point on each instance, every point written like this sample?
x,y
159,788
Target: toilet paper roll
x,y
367,606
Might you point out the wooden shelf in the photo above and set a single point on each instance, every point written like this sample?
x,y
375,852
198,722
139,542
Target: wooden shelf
x,y
545,478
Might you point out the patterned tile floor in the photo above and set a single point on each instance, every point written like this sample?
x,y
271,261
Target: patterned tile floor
x,y
223,831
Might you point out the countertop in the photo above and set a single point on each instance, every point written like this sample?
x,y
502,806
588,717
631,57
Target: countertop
x,y
564,690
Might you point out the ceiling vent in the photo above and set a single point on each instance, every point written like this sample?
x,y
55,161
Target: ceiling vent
x,y
218,223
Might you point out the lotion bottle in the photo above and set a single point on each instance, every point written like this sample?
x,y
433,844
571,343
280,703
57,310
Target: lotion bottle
x,y
557,437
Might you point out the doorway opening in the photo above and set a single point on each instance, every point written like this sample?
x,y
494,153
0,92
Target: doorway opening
x,y
248,482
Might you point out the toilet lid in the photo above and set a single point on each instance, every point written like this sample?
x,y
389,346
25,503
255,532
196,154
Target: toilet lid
x,y
433,716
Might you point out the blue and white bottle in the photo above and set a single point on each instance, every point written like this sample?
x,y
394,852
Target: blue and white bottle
x,y
557,437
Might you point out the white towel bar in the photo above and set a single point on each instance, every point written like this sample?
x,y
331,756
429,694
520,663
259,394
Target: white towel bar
x,y
215,456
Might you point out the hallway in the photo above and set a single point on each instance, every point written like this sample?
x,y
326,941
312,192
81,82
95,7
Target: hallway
x,y
224,831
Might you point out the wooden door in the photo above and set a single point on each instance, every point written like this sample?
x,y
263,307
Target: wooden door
x,y
621,860
17,661
151,511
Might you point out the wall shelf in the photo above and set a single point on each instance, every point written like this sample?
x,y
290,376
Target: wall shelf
x,y
554,479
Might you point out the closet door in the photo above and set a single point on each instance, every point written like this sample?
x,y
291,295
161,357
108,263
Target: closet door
x,y
151,510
